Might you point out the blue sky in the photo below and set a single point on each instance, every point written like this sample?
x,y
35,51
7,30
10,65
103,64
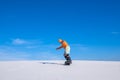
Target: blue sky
x,y
29,29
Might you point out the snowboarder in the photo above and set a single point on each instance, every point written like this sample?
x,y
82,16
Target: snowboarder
x,y
66,47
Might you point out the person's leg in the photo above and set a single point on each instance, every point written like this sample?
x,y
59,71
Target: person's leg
x,y
67,57
66,54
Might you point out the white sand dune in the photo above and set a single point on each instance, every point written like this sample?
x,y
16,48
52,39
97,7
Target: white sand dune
x,y
55,70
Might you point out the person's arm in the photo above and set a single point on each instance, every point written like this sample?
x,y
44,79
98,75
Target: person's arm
x,y
59,47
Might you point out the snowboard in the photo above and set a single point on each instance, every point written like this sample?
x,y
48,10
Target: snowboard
x,y
67,63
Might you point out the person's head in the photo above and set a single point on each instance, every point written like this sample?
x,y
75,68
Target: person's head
x,y
60,40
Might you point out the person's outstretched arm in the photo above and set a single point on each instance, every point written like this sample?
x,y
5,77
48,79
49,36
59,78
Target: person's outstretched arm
x,y
59,48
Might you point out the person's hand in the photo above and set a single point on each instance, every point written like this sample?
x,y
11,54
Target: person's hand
x,y
57,48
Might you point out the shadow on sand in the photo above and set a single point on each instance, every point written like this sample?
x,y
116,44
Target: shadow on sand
x,y
53,63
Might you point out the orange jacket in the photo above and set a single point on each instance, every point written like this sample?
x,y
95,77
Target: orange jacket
x,y
64,44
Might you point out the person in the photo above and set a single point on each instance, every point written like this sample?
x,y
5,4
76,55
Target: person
x,y
66,48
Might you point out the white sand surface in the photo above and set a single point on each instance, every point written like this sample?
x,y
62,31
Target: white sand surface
x,y
55,70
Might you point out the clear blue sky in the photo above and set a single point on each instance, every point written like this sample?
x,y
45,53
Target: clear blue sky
x,y
29,29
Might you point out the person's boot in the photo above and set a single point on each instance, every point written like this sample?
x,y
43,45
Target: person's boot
x,y
68,59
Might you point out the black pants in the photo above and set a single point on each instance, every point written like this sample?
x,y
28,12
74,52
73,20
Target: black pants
x,y
67,57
